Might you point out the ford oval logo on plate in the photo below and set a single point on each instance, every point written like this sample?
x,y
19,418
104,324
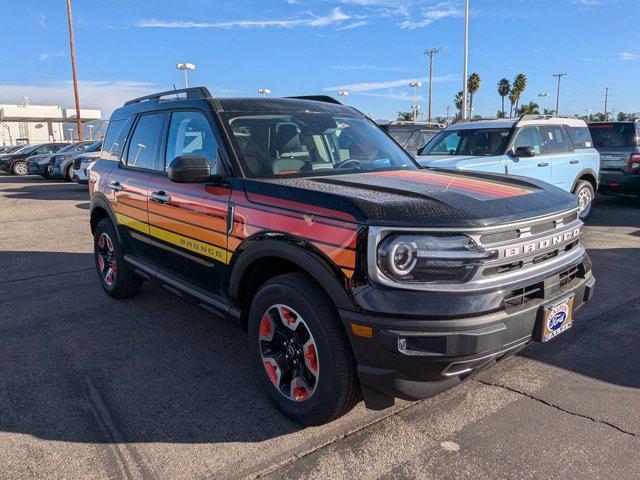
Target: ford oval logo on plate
x,y
557,319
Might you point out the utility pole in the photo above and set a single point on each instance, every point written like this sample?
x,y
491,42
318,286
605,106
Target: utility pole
x,y
447,117
431,53
465,91
73,68
559,75
606,103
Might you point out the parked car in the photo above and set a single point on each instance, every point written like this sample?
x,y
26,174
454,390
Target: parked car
x,y
61,165
5,149
619,147
16,162
81,165
354,270
412,135
556,150
37,164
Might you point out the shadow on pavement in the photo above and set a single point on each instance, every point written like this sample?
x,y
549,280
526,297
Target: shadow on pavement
x,y
78,366
619,211
47,191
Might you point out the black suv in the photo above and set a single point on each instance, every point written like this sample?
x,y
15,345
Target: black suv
x,y
619,146
355,271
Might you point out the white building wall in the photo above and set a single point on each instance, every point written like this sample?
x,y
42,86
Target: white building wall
x,y
39,132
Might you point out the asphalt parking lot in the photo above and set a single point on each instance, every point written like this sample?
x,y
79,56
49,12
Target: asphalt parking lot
x,y
153,387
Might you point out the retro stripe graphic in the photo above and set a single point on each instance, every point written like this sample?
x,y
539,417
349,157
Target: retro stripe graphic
x,y
458,183
198,228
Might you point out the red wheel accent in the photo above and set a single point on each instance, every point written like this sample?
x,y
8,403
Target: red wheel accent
x,y
289,353
106,259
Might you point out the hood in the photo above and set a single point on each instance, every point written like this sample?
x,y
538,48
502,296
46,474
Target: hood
x,y
415,197
450,161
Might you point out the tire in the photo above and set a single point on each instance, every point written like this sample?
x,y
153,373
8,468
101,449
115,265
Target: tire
x,y
121,282
19,168
335,388
68,175
585,193
46,173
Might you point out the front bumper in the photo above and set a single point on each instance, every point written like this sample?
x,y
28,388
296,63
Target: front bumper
x,y
55,172
36,168
619,183
416,358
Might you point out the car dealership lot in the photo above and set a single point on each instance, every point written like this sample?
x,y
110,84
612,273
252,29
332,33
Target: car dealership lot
x,y
156,388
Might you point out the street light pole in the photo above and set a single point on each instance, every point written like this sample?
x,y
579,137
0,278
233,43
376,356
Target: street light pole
x,y
543,96
264,91
90,131
559,75
343,94
414,110
185,67
465,90
73,68
431,53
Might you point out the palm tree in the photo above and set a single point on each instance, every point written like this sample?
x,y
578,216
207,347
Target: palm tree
x,y
504,89
407,116
519,84
473,85
514,96
529,109
457,101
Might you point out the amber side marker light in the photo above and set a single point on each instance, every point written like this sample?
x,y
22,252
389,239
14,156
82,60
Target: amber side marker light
x,y
361,330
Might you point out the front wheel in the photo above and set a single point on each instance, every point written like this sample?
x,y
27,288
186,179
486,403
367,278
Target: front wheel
x,y
585,193
69,173
19,168
301,355
116,278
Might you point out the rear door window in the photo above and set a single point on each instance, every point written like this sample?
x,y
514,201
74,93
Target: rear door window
x,y
144,144
556,140
580,137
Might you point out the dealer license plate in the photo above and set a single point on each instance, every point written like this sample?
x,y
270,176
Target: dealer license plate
x,y
557,318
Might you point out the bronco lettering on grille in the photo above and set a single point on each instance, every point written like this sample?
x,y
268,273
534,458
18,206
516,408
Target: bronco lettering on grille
x,y
538,245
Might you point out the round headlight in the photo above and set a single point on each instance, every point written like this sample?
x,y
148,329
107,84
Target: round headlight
x,y
400,256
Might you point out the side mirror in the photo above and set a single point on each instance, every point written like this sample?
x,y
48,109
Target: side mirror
x,y
188,169
525,152
419,152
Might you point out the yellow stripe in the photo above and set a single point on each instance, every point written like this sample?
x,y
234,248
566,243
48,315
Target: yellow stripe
x,y
132,223
197,246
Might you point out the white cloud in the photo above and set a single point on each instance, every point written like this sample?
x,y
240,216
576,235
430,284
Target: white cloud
x,y
627,56
351,26
334,17
402,82
42,20
434,13
587,3
48,55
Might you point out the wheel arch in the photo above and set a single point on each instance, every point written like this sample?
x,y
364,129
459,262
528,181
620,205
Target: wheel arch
x,y
266,258
589,175
100,208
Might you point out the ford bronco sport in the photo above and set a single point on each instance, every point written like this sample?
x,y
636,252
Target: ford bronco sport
x,y
355,271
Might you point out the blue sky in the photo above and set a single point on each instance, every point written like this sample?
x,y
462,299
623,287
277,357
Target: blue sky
x,y
372,48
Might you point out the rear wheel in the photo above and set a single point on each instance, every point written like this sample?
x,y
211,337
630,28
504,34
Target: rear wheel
x,y
585,193
69,173
115,276
301,355
19,168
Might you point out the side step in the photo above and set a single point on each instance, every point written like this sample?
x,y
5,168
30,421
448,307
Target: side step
x,y
193,294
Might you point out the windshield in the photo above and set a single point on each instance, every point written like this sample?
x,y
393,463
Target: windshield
x,y
312,143
74,147
613,134
477,142
27,149
420,139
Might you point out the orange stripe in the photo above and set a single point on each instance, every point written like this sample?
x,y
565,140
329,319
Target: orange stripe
x,y
131,212
213,223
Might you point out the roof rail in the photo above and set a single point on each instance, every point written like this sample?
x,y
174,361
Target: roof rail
x,y
536,116
469,120
317,98
190,94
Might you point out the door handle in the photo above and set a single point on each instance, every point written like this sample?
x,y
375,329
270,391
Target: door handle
x,y
160,197
115,185
573,162
543,164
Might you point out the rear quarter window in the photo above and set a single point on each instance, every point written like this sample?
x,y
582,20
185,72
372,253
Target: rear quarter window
x,y
580,137
115,139
612,134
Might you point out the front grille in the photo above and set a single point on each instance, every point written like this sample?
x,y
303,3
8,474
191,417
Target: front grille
x,y
522,296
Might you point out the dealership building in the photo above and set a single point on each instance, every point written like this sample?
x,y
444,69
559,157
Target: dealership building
x,y
24,123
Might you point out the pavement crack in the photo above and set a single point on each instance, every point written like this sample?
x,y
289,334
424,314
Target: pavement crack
x,y
549,404
44,275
